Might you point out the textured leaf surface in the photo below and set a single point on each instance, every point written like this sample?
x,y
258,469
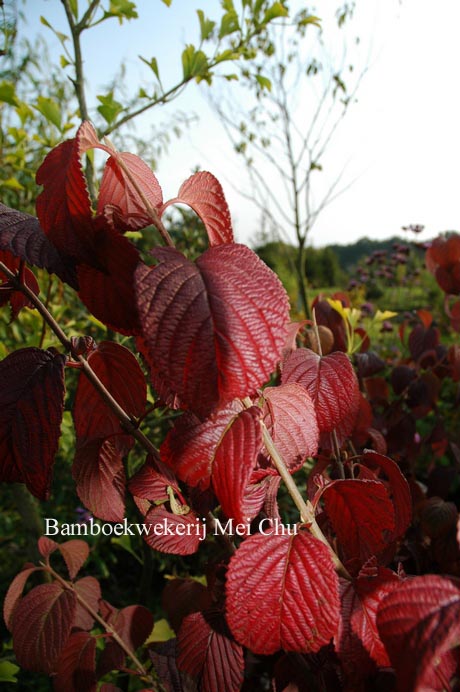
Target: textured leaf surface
x,y
31,406
418,623
14,594
282,593
100,478
234,460
173,533
89,589
133,624
46,546
208,653
76,665
331,383
361,514
75,554
203,193
41,626
149,483
213,330
120,373
22,235
190,446
290,418
128,188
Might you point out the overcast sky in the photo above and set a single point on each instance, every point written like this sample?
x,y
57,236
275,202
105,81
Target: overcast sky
x,y
400,141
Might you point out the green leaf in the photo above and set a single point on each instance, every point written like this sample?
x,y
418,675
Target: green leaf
x,y
8,671
122,9
63,61
11,184
311,19
206,25
226,55
194,63
276,10
109,108
74,8
152,63
264,82
231,77
161,632
229,24
62,37
167,2
7,93
50,110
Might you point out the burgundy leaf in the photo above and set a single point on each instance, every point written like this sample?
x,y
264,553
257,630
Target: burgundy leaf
x,y
133,624
360,601
213,331
207,652
14,594
179,534
89,589
76,667
128,189
290,418
282,593
22,235
203,193
46,546
75,554
181,597
361,514
418,623
234,460
398,489
120,373
164,658
41,626
100,477
190,446
331,383
31,407
64,206
8,291
106,278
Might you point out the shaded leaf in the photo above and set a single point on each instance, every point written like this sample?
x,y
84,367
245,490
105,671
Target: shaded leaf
x,y
75,554
76,667
214,330
362,515
41,626
14,594
46,546
179,534
149,483
181,597
208,653
133,624
31,406
418,623
204,194
282,593
89,589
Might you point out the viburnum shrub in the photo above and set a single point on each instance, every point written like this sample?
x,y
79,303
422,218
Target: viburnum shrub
x,y
339,599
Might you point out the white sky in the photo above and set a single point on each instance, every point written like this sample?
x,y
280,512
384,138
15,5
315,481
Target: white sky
x,y
401,140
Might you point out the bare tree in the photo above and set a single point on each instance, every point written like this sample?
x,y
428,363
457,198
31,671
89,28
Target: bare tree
x,y
286,131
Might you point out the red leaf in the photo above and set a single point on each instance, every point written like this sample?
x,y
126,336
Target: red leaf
x,y
203,193
360,601
190,446
234,460
149,483
290,418
418,623
128,189
75,554
41,626
361,514
331,383
89,589
64,206
207,652
181,597
14,595
398,489
133,624
76,667
22,235
282,593
106,278
179,534
100,478
31,406
214,330
120,373
46,546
